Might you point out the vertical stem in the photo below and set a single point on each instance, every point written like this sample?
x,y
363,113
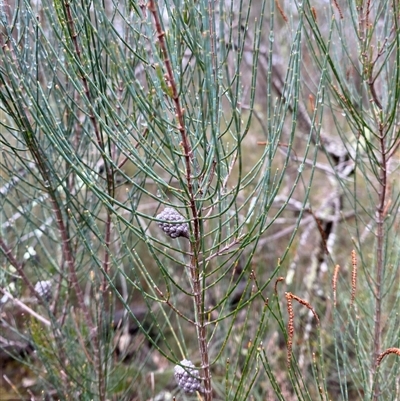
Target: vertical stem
x,y
110,188
194,245
380,234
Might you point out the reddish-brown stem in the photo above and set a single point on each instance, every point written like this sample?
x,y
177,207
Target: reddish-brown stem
x,y
380,237
179,115
110,188
374,94
74,37
194,245
107,166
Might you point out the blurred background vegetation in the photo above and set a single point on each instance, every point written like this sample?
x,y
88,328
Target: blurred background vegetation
x,y
271,127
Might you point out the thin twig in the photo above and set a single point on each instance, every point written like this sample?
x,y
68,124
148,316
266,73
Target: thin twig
x,y
176,310
224,249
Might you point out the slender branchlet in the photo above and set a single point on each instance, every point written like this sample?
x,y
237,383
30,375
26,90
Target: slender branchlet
x,y
165,299
212,38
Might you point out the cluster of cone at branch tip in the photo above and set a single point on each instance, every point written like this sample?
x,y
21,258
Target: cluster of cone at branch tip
x,y
173,223
187,377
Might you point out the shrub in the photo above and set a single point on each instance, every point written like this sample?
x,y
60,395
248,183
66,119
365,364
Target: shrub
x,y
200,188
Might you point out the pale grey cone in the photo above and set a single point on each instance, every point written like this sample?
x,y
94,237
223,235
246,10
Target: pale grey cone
x,y
187,377
174,224
43,288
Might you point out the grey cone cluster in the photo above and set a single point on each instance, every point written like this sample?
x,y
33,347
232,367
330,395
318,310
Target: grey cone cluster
x,y
43,289
188,378
173,223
